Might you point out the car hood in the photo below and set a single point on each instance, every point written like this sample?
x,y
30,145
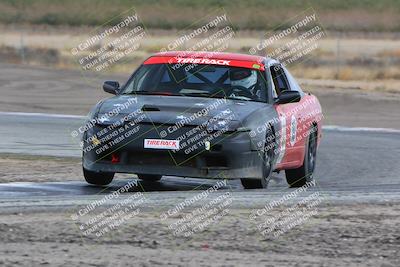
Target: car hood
x,y
175,109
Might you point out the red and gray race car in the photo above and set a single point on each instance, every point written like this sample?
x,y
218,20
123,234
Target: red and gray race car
x,y
205,115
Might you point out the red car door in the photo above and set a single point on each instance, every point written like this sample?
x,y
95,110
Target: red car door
x,y
291,117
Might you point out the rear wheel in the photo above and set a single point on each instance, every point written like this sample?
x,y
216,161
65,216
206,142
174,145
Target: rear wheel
x,y
98,178
300,176
249,183
149,177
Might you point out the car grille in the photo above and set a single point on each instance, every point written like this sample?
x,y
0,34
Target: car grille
x,y
161,158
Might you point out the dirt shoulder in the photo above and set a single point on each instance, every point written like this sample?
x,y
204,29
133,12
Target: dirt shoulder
x,y
28,168
351,235
358,108
37,89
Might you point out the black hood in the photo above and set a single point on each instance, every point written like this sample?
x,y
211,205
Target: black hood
x,y
173,109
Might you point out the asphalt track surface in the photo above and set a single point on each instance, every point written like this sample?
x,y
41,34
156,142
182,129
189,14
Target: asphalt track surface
x,y
353,165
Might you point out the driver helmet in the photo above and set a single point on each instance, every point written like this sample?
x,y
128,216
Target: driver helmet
x,y
243,77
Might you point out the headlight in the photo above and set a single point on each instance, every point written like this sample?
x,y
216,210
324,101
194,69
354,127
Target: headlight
x,y
243,129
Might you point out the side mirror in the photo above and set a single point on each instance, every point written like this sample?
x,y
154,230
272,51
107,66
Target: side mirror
x,y
288,97
111,87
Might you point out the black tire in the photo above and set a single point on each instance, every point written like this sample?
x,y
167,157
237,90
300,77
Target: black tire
x,y
149,177
267,167
300,176
98,178
249,183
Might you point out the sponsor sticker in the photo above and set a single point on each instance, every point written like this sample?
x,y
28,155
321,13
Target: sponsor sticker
x,y
203,61
161,144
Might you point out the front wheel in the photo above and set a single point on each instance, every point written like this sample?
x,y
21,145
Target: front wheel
x,y
98,178
300,176
267,167
249,183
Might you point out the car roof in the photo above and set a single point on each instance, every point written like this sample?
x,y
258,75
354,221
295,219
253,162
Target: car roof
x,y
211,55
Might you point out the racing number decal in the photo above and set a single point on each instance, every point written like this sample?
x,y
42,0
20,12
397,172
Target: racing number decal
x,y
287,134
293,130
282,140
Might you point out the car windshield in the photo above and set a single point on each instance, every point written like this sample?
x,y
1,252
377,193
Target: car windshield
x,y
198,80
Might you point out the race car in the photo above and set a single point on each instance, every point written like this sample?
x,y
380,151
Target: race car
x,y
204,115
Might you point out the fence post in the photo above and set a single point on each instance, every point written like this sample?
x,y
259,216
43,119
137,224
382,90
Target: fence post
x,y
22,48
337,57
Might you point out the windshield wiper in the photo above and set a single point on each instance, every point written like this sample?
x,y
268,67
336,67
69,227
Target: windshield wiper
x,y
150,93
204,94
197,94
193,94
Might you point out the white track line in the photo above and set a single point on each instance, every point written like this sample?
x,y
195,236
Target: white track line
x,y
325,127
359,129
45,115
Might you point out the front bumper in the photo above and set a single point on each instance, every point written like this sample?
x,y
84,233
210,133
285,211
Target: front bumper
x,y
230,155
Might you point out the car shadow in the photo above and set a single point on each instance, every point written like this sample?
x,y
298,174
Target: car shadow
x,y
166,184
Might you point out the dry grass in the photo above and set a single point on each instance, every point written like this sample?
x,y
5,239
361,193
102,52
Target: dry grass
x,y
362,15
347,73
390,53
361,59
